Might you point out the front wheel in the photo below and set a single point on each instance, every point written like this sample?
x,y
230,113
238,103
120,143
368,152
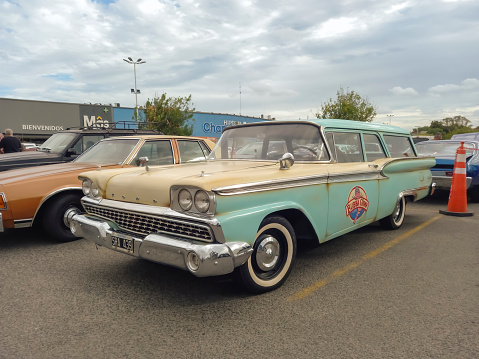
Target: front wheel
x,y
57,215
395,219
272,259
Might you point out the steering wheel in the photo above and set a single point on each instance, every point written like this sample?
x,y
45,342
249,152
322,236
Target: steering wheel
x,y
315,154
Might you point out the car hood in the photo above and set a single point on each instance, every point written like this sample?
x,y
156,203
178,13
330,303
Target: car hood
x,y
153,187
29,173
25,155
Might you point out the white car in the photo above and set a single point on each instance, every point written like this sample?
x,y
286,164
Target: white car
x,y
30,146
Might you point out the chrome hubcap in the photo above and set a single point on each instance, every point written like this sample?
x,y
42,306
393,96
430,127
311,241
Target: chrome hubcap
x,y
397,211
267,253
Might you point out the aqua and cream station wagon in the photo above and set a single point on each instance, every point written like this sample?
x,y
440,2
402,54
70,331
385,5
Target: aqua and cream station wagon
x,y
264,189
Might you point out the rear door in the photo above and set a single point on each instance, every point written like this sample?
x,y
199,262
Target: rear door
x,y
353,184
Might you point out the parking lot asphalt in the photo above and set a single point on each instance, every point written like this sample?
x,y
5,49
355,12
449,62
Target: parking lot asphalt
x,y
409,293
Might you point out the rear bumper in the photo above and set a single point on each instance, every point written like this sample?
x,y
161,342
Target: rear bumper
x,y
201,259
444,182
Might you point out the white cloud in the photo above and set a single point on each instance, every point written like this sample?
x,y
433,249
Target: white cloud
x,y
403,91
468,84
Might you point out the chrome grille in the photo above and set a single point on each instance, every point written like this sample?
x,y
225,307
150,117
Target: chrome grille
x,y
145,224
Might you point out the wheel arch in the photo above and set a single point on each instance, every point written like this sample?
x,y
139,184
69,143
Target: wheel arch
x,y
301,224
51,196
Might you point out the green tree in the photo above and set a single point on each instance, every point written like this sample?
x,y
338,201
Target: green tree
x,y
450,126
169,115
349,105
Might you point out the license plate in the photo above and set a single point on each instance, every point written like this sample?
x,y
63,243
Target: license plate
x,y
122,243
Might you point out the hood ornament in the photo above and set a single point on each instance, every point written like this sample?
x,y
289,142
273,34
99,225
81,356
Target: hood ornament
x,y
144,163
286,161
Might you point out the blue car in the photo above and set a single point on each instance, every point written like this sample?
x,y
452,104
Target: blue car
x,y
445,153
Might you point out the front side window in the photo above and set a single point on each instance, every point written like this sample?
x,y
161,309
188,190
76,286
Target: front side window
x,y
271,142
347,146
399,146
158,152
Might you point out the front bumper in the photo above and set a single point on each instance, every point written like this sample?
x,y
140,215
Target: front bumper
x,y
200,259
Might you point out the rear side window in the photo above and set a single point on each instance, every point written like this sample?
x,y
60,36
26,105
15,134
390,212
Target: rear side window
x,y
191,151
399,146
372,146
85,142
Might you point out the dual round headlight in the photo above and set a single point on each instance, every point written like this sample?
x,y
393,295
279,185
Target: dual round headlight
x,y
201,200
90,188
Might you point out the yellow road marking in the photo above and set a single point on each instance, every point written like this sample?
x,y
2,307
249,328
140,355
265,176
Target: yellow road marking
x,y
314,287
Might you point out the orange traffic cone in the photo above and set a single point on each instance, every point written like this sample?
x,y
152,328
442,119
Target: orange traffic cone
x,y
457,205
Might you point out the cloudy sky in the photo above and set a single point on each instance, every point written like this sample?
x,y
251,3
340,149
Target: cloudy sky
x,y
417,60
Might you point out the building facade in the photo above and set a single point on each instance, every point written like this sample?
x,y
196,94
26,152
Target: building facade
x,y
35,121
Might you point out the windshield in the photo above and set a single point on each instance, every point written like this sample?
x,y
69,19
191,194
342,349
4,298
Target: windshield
x,y
433,148
58,142
270,142
114,151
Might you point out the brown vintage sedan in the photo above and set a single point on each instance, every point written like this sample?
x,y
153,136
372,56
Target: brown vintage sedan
x,y
49,195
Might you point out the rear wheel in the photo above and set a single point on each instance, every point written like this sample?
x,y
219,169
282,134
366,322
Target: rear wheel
x,y
272,259
57,215
395,219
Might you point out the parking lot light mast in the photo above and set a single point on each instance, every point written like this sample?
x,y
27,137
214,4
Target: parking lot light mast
x,y
390,116
135,91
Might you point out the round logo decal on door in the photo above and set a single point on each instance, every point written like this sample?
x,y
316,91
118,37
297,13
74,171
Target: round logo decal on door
x,y
357,203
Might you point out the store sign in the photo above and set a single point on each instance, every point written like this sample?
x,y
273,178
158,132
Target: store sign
x,y
95,116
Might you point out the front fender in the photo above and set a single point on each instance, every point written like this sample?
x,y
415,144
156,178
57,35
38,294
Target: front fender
x,y
243,225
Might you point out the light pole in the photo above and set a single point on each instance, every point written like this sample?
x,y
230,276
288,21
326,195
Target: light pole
x,y
135,91
389,118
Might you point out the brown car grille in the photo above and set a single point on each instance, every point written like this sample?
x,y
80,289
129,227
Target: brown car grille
x,y
146,224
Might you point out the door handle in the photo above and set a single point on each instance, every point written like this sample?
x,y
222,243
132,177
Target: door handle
x,y
373,165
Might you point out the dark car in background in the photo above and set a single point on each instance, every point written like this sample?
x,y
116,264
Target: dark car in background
x,y
445,153
64,146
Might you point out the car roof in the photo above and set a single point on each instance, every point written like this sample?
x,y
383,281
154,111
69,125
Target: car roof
x,y
452,140
466,136
339,124
155,137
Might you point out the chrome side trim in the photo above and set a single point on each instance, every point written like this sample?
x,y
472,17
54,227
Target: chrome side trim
x,y
297,182
23,223
413,192
354,176
270,185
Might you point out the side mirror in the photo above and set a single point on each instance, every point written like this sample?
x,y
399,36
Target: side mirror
x,y
71,152
144,162
286,161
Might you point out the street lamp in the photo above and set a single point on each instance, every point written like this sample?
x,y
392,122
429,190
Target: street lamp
x,y
389,118
135,91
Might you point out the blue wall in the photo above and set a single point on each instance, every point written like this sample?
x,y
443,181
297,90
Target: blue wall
x,y
204,124
212,124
